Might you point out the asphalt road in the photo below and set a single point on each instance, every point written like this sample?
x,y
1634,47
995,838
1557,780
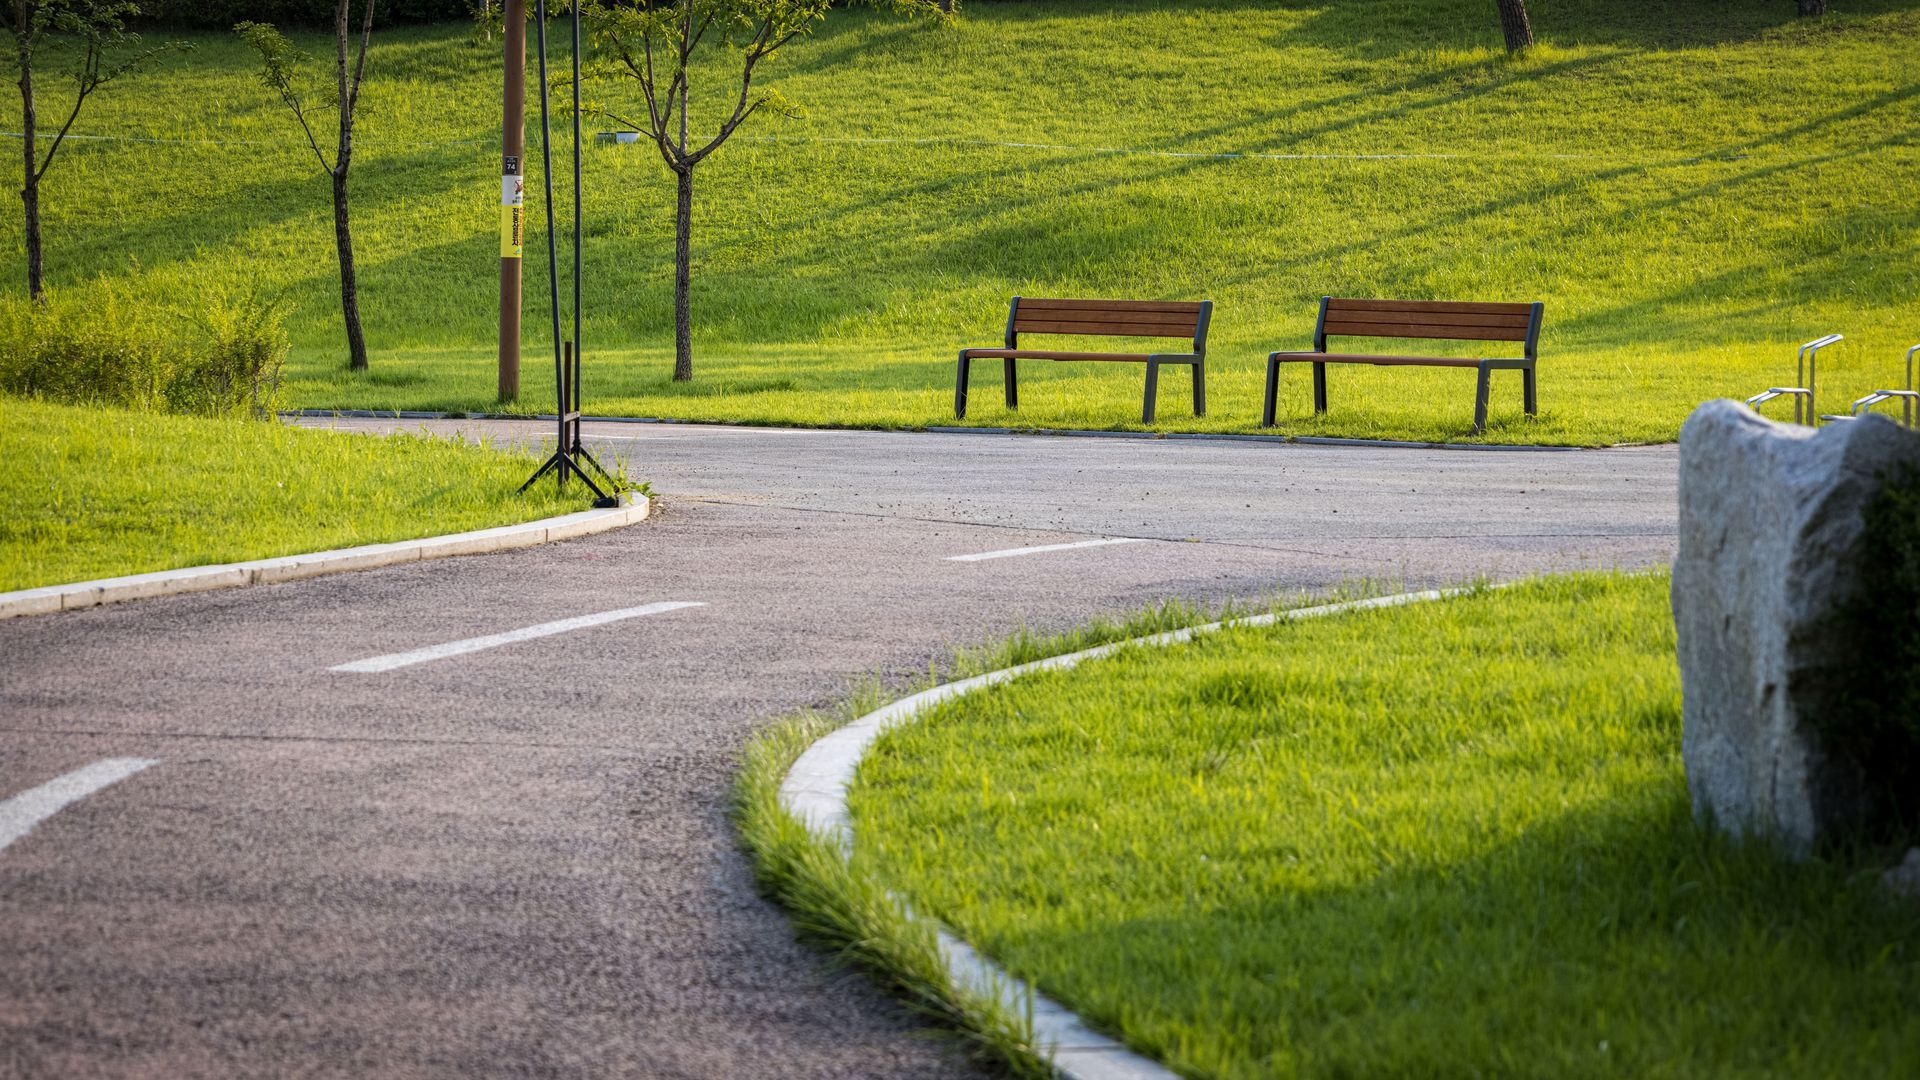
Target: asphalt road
x,y
516,861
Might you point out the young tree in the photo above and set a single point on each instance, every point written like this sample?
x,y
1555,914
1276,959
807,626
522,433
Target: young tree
x,y
282,69
1514,25
653,42
90,30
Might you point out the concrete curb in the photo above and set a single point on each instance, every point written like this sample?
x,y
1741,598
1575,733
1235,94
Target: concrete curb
x,y
814,792
937,429
114,590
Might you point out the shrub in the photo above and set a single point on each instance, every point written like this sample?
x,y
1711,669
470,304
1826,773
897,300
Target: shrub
x,y
84,349
103,346
236,368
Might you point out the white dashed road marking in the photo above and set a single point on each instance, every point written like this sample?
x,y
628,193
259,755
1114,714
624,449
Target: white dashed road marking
x,y
456,648
1011,552
21,813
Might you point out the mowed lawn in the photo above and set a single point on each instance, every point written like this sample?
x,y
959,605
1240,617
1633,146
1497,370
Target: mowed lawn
x,y
1446,839
93,493
1691,188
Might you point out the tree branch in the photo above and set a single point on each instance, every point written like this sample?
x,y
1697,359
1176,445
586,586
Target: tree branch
x,y
646,88
359,64
86,87
757,51
300,114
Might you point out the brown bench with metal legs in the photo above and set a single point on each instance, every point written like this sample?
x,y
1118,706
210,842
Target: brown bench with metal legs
x,y
1105,318
1417,319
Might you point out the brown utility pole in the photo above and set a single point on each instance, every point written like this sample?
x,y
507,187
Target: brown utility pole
x,y
513,216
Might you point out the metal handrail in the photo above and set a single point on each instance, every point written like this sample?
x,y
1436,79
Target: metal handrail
x,y
1907,397
1811,352
1805,370
1772,392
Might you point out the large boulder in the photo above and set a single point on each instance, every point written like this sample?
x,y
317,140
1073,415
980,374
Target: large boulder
x,y
1770,551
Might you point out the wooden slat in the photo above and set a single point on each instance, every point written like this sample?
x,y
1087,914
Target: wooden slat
x,y
1040,303
1424,330
1112,329
1157,318
1048,354
1383,361
1428,318
1339,303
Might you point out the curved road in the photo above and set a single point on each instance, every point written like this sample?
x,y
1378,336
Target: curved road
x,y
515,861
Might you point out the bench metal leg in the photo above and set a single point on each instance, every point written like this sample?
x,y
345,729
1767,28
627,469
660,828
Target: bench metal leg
x,y
1200,389
1013,384
1319,388
1273,391
1480,394
960,390
1529,394
1153,388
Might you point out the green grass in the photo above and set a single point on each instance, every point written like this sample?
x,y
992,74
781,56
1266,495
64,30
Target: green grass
x,y
1449,839
854,915
1691,188
103,492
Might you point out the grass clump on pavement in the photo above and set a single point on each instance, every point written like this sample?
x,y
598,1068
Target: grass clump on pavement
x,y
95,492
1692,189
1444,839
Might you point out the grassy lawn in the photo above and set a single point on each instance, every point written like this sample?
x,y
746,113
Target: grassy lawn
x,y
1691,188
99,493
1449,839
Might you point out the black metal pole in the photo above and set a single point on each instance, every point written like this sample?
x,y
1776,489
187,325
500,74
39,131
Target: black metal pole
x,y
553,253
578,207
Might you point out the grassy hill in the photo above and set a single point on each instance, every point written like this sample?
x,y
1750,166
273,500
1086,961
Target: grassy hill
x,y
1692,189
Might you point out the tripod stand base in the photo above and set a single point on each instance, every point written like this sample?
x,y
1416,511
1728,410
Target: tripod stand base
x,y
567,460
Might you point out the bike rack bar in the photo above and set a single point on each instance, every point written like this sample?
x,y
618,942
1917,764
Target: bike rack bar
x,y
1805,364
1906,397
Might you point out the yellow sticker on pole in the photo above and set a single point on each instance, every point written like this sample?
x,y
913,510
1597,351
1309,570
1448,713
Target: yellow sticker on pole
x,y
513,218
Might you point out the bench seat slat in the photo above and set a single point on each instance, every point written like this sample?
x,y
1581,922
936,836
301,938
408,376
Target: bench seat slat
x,y
1050,354
1337,303
1352,328
1104,329
1183,307
1152,318
1384,361
1428,318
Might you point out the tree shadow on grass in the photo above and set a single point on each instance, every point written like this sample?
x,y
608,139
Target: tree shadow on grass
x,y
1620,939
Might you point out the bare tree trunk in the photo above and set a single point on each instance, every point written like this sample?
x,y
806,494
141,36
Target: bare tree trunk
x,y
30,185
683,278
349,94
1514,25
349,287
1813,7
683,231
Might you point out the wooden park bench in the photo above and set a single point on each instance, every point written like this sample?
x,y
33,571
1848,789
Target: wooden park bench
x,y
1105,318
1416,319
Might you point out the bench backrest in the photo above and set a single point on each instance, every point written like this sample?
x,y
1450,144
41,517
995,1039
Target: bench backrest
x,y
1112,318
1342,317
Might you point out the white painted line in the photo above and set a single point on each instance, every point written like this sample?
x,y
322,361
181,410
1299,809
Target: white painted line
x,y
1011,552
527,633
21,813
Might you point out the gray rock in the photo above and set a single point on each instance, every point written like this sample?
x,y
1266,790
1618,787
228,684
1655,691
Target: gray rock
x,y
1770,536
